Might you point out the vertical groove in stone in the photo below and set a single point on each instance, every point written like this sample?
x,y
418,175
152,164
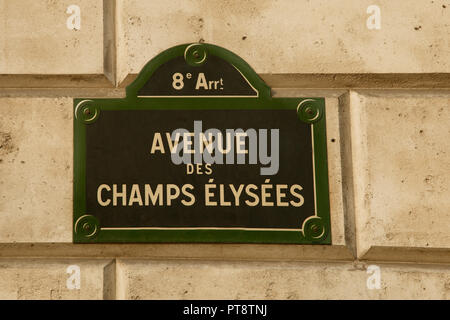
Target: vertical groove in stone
x,y
109,40
120,283
109,281
347,172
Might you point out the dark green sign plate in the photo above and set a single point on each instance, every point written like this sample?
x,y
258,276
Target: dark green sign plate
x,y
199,151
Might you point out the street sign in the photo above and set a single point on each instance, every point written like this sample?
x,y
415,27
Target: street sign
x,y
199,151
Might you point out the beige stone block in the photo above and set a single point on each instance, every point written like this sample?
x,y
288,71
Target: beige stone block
x,y
401,169
36,148
56,279
35,39
146,279
321,36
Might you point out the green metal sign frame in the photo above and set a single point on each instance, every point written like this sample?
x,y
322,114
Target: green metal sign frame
x,y
88,229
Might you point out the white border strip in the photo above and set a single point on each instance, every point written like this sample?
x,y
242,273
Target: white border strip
x,y
314,170
197,96
198,228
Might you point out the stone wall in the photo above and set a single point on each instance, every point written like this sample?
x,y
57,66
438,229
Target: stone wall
x,y
387,93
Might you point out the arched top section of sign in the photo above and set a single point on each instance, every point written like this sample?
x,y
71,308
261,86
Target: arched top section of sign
x,y
197,70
